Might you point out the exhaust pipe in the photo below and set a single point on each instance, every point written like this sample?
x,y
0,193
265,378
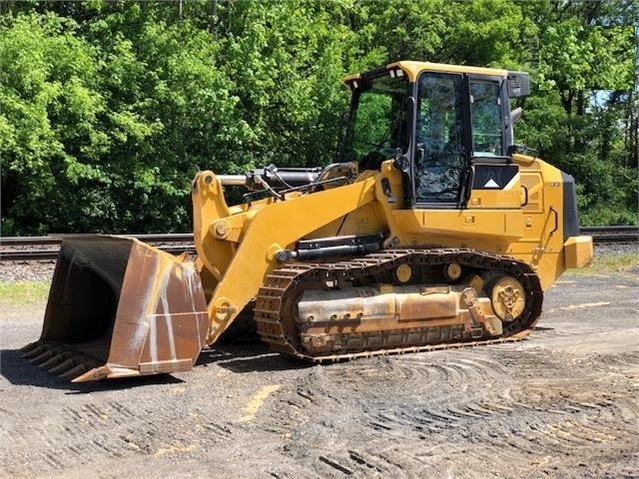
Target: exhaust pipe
x,y
119,307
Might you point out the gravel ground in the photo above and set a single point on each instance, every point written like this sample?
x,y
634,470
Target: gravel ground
x,y
563,403
18,271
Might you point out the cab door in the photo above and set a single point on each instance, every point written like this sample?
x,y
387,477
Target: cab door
x,y
441,139
495,181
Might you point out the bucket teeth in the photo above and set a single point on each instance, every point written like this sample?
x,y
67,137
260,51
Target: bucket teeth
x,y
56,360
64,366
40,358
35,352
45,356
29,347
75,371
53,357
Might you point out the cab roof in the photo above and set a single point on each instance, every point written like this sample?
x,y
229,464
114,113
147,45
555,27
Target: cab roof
x,y
412,68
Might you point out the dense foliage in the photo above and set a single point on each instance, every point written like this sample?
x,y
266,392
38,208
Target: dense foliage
x,y
107,109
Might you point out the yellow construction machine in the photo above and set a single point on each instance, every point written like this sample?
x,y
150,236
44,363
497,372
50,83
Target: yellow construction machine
x,y
432,229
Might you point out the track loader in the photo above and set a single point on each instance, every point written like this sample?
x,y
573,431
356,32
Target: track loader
x,y
431,230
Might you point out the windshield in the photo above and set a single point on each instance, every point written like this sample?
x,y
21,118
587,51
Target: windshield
x,y
377,125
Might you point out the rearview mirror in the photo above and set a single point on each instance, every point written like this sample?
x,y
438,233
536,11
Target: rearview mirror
x,y
518,84
515,115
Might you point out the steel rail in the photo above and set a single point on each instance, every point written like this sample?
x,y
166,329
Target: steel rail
x,y
57,239
630,229
612,234
46,248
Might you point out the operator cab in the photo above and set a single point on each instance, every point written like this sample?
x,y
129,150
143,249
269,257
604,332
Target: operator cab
x,y
438,122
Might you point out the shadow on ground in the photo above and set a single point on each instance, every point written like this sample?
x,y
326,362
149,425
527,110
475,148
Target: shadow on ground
x,y
248,356
20,372
239,357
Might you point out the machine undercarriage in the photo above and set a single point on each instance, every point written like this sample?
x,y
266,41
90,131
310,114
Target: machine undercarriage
x,y
396,301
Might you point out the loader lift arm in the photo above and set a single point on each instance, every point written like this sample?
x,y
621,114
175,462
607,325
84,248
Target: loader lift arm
x,y
261,234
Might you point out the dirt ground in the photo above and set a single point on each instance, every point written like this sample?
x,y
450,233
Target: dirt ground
x,y
564,403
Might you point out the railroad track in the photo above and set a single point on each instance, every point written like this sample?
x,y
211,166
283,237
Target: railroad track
x,y
612,234
45,248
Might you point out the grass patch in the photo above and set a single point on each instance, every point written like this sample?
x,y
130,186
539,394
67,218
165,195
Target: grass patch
x,y
611,264
24,292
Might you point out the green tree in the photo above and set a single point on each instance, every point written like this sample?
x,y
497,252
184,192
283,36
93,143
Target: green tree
x,y
582,114
107,109
103,127
50,134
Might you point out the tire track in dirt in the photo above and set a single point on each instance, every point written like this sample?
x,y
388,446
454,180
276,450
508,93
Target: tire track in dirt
x,y
378,461
111,430
320,406
326,387
84,431
478,399
415,372
625,361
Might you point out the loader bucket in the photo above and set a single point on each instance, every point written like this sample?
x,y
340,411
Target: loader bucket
x,y
119,307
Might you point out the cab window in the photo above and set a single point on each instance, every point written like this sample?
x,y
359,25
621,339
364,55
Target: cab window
x,y
485,108
378,123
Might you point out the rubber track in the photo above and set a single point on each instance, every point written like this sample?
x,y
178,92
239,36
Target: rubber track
x,y
269,312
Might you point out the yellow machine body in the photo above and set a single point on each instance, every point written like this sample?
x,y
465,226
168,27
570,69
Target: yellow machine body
x,y
351,263
239,245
